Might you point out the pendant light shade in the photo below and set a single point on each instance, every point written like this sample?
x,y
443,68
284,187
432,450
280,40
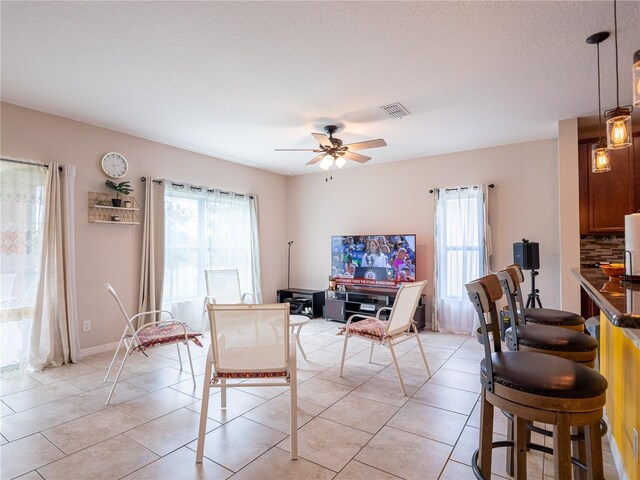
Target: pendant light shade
x,y
619,118
619,127
600,161
340,162
636,79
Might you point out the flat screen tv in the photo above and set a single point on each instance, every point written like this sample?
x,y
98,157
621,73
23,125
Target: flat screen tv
x,y
373,260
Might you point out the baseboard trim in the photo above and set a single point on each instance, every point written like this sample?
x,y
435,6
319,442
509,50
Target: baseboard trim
x,y
107,347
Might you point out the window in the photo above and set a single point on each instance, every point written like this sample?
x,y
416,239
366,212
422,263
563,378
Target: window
x,y
22,203
461,254
207,229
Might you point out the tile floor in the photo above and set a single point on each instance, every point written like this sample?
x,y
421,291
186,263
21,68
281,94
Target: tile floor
x,y
55,425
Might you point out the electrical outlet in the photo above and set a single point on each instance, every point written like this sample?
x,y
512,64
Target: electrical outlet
x,y
86,326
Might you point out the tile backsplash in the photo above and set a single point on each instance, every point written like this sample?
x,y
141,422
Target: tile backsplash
x,y
602,249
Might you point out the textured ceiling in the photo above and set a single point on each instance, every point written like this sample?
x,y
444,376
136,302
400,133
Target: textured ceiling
x,y
237,79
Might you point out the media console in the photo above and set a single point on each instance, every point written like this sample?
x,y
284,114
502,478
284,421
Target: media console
x,y
339,306
316,297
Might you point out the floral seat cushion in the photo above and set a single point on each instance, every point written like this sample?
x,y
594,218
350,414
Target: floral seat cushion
x,y
219,375
156,335
369,328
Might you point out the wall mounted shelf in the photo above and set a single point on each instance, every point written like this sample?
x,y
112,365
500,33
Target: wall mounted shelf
x,y
101,211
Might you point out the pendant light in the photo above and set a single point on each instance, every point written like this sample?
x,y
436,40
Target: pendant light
x,y
600,161
636,79
619,118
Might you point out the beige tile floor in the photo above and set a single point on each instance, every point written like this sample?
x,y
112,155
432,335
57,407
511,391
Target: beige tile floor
x,y
55,425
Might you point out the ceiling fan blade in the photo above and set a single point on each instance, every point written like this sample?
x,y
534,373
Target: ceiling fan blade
x,y
323,140
368,144
296,150
316,159
356,157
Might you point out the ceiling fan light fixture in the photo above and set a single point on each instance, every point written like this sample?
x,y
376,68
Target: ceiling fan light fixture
x,y
326,162
600,161
340,162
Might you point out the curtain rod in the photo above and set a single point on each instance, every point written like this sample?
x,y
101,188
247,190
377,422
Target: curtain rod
x,y
144,179
199,189
27,162
491,185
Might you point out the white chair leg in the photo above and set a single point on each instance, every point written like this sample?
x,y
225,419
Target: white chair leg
x,y
344,352
115,382
115,355
223,393
204,408
395,363
424,357
179,356
193,376
371,352
293,386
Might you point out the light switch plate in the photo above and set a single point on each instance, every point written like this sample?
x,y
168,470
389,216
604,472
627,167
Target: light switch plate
x,y
635,443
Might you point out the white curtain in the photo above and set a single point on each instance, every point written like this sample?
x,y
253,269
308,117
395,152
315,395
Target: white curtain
x,y
462,250
207,229
152,265
54,333
22,199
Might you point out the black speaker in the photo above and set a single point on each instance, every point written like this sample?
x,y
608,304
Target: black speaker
x,y
526,254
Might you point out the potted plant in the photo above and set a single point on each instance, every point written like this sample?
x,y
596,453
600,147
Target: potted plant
x,y
123,188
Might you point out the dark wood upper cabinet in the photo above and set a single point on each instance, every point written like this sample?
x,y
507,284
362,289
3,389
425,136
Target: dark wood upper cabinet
x,y
605,198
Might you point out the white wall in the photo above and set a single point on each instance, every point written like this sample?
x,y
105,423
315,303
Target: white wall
x,y
395,198
111,253
569,218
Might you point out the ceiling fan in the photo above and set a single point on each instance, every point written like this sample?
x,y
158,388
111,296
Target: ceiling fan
x,y
331,150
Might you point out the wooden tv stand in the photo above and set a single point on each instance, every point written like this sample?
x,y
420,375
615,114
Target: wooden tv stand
x,y
339,306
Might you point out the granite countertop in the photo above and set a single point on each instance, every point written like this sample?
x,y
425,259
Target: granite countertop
x,y
619,301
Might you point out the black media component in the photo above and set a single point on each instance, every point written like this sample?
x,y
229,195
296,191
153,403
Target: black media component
x,y
526,254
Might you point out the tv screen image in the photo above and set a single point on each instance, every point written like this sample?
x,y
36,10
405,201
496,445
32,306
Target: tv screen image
x,y
373,260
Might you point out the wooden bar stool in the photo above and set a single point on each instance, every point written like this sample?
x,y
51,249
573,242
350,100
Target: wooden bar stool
x,y
544,316
541,338
534,387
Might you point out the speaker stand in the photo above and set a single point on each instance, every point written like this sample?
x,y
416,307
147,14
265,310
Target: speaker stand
x,y
533,297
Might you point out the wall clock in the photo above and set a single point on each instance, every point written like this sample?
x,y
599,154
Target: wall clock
x,y
114,165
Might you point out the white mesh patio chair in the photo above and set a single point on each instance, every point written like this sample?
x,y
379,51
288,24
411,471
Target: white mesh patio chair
x,y
250,343
223,286
391,332
153,334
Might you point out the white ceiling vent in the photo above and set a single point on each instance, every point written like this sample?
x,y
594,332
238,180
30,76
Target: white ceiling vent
x,y
395,110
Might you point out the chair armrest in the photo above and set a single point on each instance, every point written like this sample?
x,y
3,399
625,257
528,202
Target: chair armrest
x,y
380,310
209,299
247,294
150,312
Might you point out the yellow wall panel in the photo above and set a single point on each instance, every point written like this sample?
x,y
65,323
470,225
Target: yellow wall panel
x,y
620,364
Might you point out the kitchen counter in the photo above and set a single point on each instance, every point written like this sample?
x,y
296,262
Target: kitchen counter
x,y
619,301
619,361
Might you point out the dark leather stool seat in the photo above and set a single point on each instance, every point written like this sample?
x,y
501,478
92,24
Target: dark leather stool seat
x,y
545,375
559,342
556,318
